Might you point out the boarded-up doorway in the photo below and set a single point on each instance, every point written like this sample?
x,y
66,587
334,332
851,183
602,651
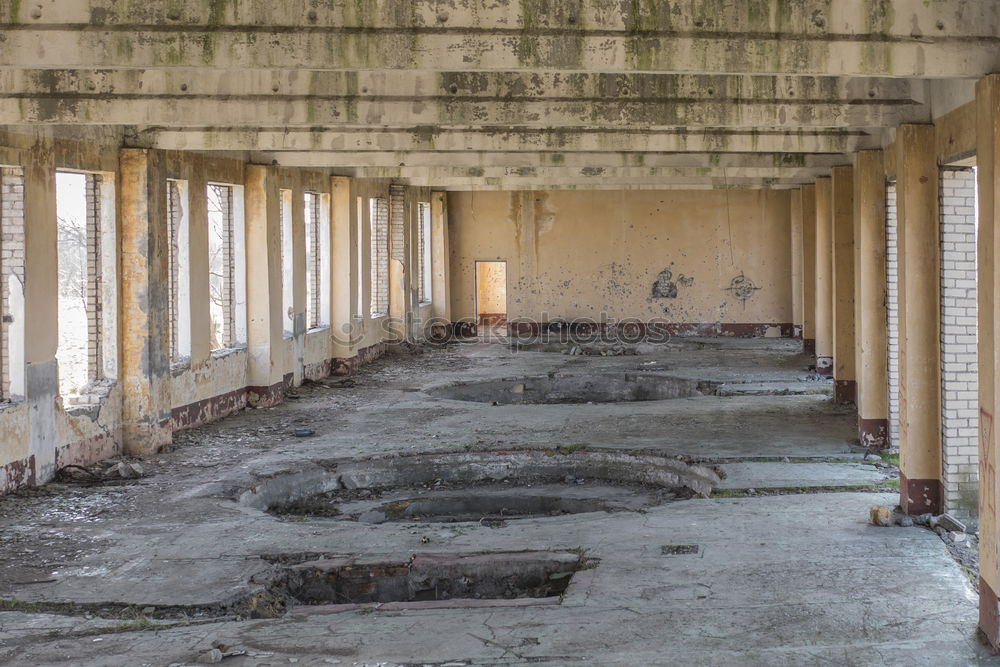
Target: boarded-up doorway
x,y
491,294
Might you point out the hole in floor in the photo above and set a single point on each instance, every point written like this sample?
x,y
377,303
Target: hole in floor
x,y
569,389
426,580
489,504
478,486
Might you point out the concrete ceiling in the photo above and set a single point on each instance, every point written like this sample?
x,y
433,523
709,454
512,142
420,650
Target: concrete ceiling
x,y
506,94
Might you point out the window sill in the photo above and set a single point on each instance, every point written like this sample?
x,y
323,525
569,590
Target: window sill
x,y
320,329
224,352
10,403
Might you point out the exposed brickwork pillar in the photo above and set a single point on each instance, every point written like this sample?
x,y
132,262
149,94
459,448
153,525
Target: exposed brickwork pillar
x,y
892,307
95,362
145,279
809,269
920,312
871,346
842,207
824,276
796,216
11,278
959,366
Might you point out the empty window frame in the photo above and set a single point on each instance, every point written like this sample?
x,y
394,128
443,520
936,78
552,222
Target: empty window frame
x,y
86,265
287,254
179,258
317,257
226,266
11,284
379,216
424,251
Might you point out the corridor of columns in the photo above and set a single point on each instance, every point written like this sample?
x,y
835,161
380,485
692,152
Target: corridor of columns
x,y
416,332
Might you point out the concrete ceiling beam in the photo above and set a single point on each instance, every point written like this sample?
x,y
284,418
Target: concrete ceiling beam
x,y
418,49
583,174
815,19
498,183
468,86
536,159
188,110
499,139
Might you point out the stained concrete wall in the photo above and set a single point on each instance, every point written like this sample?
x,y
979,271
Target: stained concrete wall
x,y
683,257
39,433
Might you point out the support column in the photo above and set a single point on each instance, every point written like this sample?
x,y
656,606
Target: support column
x,y
796,216
41,372
809,269
264,317
845,379
343,272
920,321
145,294
824,276
987,157
871,341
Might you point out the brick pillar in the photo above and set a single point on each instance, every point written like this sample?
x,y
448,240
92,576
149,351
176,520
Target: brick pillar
x,y
842,211
796,216
987,156
892,308
824,276
145,278
920,311
398,287
11,283
959,366
809,269
871,346
95,362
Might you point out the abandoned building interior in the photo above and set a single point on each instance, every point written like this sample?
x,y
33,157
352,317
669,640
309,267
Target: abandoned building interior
x,y
447,332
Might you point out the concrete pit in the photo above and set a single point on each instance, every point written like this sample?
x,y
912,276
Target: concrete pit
x,y
556,389
430,577
490,504
473,486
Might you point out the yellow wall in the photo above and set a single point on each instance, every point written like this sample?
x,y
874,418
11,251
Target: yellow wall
x,y
591,254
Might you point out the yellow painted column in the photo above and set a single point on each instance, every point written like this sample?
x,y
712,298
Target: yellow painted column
x,y
845,379
264,316
871,339
41,316
824,276
145,370
796,277
919,325
987,156
809,269
342,243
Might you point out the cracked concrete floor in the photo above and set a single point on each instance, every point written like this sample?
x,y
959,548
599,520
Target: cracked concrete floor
x,y
144,573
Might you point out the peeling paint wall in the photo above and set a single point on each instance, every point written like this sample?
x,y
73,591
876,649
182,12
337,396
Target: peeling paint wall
x,y
38,434
678,256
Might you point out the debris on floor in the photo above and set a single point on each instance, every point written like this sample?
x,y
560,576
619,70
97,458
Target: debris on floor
x,y
103,471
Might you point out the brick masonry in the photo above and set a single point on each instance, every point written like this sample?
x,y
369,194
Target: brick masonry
x,y
959,365
11,261
314,262
892,309
173,261
380,256
95,365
